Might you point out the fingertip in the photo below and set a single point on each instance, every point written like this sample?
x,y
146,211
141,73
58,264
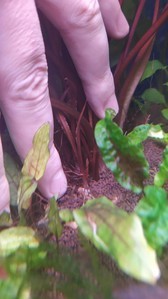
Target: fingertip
x,y
122,26
54,182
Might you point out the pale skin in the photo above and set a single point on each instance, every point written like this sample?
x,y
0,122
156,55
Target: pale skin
x,y
24,96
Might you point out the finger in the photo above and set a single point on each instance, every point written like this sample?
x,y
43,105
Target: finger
x,y
114,19
82,28
23,86
4,187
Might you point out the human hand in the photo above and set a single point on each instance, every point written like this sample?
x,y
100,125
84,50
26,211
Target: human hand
x,y
24,97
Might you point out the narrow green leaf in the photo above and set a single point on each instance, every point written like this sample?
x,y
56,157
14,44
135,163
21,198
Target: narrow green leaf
x,y
54,221
13,238
152,95
66,215
151,68
162,175
153,212
124,159
119,235
13,176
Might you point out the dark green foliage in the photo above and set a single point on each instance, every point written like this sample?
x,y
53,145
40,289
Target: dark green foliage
x,y
125,159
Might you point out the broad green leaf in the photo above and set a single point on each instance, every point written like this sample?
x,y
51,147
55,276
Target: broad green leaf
x,y
165,113
153,212
162,175
54,221
142,132
13,238
124,159
166,84
34,166
120,235
152,95
139,134
37,158
151,68
26,189
13,176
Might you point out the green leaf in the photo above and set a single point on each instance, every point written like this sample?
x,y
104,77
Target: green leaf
x,y
13,238
5,219
151,68
166,84
54,221
152,95
158,134
34,166
37,158
13,176
165,113
66,215
124,159
162,175
142,132
26,189
153,211
119,235
139,134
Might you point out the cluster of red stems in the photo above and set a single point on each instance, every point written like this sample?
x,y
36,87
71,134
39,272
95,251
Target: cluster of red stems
x,y
72,114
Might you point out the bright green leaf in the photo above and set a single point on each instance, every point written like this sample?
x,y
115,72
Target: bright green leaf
x,y
152,95
165,113
162,175
119,235
142,132
139,134
13,238
124,159
153,211
151,68
166,84
37,158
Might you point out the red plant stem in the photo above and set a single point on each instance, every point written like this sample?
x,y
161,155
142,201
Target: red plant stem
x,y
136,72
128,89
151,31
156,11
131,34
